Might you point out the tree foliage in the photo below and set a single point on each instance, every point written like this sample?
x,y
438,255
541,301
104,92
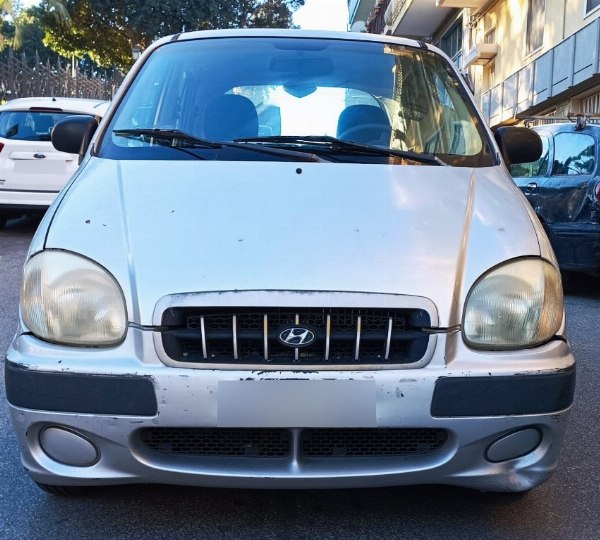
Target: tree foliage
x,y
30,36
13,15
106,30
32,48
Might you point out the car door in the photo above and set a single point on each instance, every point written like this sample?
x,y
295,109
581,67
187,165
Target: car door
x,y
531,177
564,197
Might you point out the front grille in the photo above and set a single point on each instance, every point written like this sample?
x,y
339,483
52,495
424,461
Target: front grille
x,y
376,442
277,443
218,442
342,336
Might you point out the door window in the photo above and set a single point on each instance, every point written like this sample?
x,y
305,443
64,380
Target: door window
x,y
574,154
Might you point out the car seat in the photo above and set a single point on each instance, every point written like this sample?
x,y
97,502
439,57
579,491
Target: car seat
x,y
43,124
23,132
230,117
364,124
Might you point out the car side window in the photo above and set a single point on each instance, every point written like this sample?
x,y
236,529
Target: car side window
x,y
574,154
535,168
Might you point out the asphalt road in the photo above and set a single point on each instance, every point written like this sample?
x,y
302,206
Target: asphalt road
x,y
567,506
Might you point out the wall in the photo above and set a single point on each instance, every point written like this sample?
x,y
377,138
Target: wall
x,y
563,18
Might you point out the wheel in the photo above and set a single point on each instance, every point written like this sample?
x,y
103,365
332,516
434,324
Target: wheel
x,y
68,491
2,221
570,280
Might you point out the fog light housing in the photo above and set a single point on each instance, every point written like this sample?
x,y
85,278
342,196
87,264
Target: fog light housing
x,y
68,447
514,445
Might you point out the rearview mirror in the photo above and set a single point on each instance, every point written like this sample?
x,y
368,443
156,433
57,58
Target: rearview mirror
x,y
74,133
518,145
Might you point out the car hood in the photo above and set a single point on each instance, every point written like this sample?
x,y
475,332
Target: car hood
x,y
167,227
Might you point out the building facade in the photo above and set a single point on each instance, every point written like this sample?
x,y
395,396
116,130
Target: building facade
x,y
524,57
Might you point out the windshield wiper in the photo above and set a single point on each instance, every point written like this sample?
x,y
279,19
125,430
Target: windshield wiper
x,y
169,135
176,137
332,144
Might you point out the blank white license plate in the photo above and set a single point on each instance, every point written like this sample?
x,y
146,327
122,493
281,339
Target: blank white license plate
x,y
40,166
297,403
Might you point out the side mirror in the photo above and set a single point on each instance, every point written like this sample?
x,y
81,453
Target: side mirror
x,y
518,145
73,134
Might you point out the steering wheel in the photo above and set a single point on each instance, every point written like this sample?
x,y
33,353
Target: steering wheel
x,y
351,133
413,111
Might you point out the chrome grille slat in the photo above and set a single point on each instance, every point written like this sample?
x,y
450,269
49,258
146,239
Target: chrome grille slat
x,y
343,336
297,351
266,336
203,332
388,341
327,337
358,329
236,356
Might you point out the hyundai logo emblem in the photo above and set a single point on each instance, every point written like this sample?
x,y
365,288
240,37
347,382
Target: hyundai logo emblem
x,y
297,337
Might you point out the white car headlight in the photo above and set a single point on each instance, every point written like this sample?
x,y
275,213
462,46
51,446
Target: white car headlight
x,y
68,299
514,306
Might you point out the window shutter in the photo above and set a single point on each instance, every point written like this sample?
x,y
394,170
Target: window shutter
x,y
535,24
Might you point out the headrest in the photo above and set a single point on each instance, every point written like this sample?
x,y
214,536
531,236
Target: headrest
x,y
230,117
374,119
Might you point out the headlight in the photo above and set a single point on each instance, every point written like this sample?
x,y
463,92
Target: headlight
x,y
514,306
68,299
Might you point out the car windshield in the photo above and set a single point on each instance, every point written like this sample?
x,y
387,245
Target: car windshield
x,y
278,92
29,125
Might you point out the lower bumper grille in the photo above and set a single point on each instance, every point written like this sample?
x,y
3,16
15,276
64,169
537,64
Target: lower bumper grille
x,y
278,336
218,442
278,443
371,442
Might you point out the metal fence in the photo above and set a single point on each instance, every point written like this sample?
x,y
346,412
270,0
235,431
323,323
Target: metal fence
x,y
22,77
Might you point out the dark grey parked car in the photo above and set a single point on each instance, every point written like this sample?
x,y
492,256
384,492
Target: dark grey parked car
x,y
563,187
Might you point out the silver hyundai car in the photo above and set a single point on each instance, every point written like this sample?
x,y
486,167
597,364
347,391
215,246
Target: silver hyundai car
x,y
291,259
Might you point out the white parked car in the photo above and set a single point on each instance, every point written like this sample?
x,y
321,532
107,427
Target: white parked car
x,y
32,171
291,259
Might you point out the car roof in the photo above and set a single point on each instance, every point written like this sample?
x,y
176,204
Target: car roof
x,y
286,32
94,107
293,33
567,127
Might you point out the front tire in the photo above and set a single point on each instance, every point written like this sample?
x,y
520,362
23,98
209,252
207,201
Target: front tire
x,y
569,280
3,220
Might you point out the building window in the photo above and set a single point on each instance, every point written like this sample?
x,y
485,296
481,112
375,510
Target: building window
x,y
591,4
490,36
451,43
535,24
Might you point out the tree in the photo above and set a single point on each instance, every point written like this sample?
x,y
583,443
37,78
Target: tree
x,y
31,43
11,13
108,29
10,33
30,36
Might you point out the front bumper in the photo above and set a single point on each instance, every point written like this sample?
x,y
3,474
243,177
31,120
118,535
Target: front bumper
x,y
23,201
577,245
477,400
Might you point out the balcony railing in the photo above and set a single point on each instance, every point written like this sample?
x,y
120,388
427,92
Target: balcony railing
x,y
574,61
